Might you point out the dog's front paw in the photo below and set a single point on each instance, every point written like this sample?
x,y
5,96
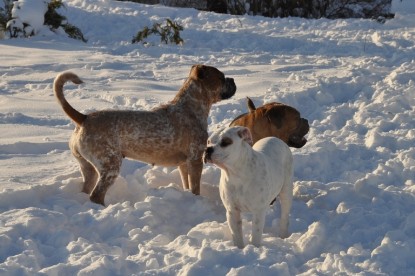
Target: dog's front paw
x,y
239,243
255,240
283,233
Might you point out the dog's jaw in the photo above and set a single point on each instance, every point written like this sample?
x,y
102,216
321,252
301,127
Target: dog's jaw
x,y
229,89
212,156
207,155
297,139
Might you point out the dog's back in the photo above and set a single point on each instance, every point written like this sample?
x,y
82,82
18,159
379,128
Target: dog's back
x,y
275,149
279,161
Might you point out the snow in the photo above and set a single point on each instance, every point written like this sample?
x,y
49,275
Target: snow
x,y
30,12
354,181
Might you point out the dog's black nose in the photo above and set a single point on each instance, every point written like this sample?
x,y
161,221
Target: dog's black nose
x,y
209,150
207,156
229,90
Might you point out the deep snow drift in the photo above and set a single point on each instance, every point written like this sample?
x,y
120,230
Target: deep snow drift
x,y
354,181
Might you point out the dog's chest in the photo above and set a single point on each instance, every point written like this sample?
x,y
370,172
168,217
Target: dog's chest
x,y
245,193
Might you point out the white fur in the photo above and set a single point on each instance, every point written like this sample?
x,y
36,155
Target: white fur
x,y
251,177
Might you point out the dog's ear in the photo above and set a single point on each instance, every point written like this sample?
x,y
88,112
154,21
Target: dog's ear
x,y
245,135
250,104
200,71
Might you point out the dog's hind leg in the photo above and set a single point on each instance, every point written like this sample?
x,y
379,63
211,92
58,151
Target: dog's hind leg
x,y
108,169
286,198
184,174
89,174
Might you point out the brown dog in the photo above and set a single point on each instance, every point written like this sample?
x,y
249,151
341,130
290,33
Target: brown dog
x,y
173,134
274,119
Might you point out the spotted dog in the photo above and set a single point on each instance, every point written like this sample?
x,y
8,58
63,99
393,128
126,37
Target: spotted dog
x,y
173,134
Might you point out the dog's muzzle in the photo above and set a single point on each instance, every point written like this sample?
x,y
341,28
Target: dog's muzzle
x,y
229,89
297,139
207,155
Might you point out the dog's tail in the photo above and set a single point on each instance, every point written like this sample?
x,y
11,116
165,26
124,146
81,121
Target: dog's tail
x,y
60,80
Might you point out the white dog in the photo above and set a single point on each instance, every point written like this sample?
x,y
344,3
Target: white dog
x,y
251,177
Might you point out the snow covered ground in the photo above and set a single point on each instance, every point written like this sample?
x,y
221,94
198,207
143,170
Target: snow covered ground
x,y
354,181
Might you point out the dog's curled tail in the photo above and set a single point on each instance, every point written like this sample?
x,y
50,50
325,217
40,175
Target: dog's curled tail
x,y
60,80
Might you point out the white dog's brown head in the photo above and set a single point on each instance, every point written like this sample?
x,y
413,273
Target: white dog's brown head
x,y
225,146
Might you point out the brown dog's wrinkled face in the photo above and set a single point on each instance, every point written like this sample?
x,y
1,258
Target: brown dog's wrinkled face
x,y
286,122
214,81
277,120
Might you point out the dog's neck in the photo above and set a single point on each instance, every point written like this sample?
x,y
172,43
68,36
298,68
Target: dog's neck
x,y
190,96
247,156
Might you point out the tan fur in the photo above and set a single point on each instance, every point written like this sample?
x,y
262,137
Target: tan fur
x,y
173,134
277,120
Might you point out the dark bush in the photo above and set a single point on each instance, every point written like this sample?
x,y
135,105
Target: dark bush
x,y
312,8
169,32
283,8
219,6
5,14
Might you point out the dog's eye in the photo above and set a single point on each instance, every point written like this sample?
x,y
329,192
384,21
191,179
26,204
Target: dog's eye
x,y
225,142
